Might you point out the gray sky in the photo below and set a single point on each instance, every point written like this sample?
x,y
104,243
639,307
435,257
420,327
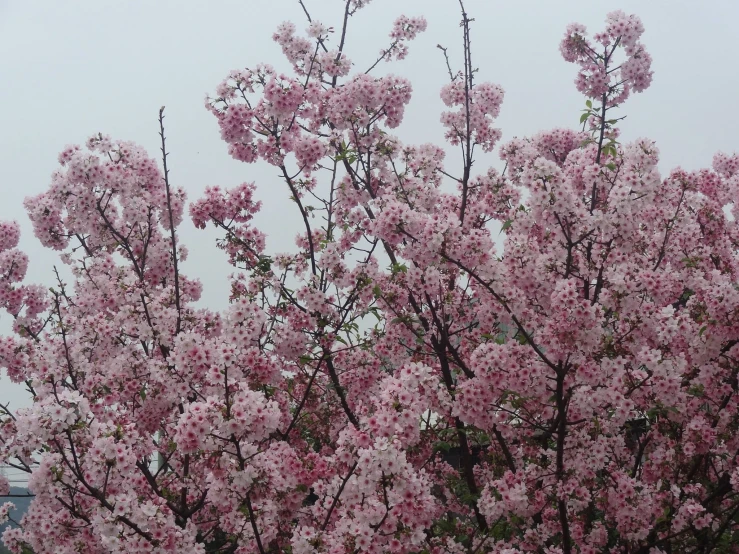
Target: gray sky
x,y
71,69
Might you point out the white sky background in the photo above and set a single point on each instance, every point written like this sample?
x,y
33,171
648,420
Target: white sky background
x,y
71,69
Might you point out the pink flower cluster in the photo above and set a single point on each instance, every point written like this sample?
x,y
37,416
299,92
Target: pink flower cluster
x,y
451,359
600,76
24,302
478,108
404,29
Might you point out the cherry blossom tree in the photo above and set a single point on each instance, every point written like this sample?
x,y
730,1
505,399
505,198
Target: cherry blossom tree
x,y
400,382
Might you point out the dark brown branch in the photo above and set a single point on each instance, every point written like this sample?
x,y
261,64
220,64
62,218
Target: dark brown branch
x,y
561,435
339,390
335,500
171,224
253,520
468,83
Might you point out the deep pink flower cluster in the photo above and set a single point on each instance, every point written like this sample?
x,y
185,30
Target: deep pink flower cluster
x,y
399,382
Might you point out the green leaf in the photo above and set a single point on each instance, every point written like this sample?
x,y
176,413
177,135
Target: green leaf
x,y
399,268
264,264
610,150
374,310
506,225
702,330
589,103
584,117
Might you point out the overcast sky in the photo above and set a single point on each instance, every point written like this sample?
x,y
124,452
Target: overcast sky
x,y
71,69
